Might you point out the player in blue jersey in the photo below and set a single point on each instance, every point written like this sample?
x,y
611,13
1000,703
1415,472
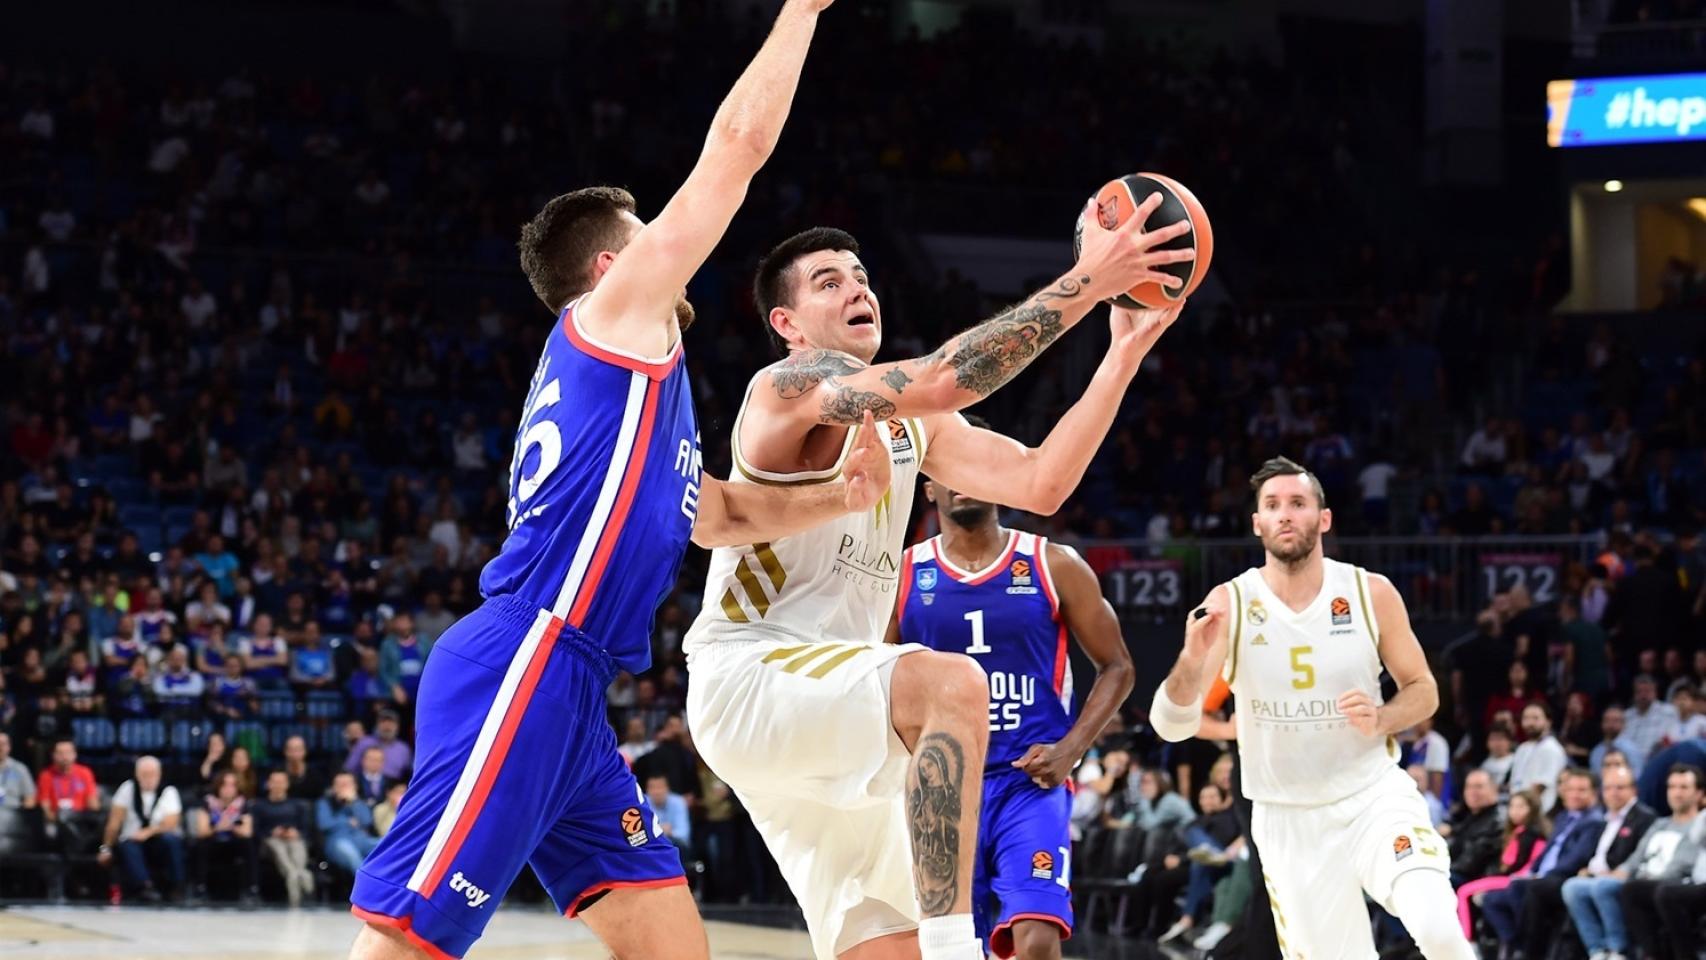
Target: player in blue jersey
x,y
516,764
1009,599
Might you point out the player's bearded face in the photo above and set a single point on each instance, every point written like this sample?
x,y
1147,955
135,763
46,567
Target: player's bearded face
x,y
1290,535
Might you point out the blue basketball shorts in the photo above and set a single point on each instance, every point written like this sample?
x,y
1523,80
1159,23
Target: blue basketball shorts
x,y
1024,852
515,763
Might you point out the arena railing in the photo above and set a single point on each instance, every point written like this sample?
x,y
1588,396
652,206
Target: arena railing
x,y
1646,46
1442,579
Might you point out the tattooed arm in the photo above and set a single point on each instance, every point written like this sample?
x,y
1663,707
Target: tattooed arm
x,y
830,387
989,466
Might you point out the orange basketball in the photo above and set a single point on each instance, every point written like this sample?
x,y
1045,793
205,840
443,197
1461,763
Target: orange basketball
x,y
1116,202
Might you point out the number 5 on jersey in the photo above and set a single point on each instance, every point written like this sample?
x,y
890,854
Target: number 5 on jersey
x,y
1302,672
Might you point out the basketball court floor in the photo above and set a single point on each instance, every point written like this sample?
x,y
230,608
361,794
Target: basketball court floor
x,y
516,933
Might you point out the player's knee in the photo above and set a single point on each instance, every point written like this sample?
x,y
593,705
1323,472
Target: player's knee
x,y
960,687
1034,940
375,942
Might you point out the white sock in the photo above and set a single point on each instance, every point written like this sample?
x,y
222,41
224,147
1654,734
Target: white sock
x,y
949,938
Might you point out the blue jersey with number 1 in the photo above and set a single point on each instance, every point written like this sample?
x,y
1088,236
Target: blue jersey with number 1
x,y
1007,618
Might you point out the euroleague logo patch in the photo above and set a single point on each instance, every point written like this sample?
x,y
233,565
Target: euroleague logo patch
x,y
634,826
1020,571
1341,611
1108,212
1042,865
900,440
1401,848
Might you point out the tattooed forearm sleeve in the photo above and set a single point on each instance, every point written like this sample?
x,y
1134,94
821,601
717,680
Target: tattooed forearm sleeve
x,y
848,405
935,807
964,370
993,352
800,372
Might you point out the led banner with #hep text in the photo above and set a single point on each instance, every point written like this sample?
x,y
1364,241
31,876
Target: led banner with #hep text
x,y
1605,111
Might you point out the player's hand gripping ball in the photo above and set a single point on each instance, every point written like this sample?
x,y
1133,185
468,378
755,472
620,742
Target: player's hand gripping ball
x,y
1119,199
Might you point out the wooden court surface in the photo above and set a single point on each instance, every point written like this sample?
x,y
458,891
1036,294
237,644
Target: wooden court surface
x,y
138,933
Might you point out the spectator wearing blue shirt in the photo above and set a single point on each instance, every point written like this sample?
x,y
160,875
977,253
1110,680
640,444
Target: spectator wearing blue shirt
x,y
364,687
219,564
337,603
402,657
398,757
177,687
211,652
671,812
311,664
232,695
346,824
1612,741
267,654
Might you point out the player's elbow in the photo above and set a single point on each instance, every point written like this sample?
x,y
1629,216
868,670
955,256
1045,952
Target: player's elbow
x,y
1121,674
1048,494
1427,692
1038,491
741,146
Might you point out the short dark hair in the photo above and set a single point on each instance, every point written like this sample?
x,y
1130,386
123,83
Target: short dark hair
x,y
1688,769
772,284
1286,467
558,245
1581,773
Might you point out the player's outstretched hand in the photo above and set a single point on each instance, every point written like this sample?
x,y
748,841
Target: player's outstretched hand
x,y
1136,331
815,6
1359,708
1047,764
1117,260
867,470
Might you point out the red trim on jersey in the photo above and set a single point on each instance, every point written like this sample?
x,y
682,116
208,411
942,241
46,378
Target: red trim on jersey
x,y
619,512
608,885
905,586
990,571
655,370
1060,663
495,758
1001,938
1047,577
405,926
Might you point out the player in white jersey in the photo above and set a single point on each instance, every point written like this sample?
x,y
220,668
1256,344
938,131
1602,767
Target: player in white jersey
x,y
1301,640
841,746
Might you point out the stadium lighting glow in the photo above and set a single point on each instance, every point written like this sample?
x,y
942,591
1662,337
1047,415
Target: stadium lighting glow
x,y
1698,205
1613,186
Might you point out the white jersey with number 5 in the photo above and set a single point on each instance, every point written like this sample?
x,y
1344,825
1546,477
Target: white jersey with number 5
x,y
1288,670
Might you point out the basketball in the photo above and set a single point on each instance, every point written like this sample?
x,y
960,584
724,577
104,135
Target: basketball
x,y
1115,203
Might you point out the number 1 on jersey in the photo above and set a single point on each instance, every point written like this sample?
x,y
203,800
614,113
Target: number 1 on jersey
x,y
977,644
